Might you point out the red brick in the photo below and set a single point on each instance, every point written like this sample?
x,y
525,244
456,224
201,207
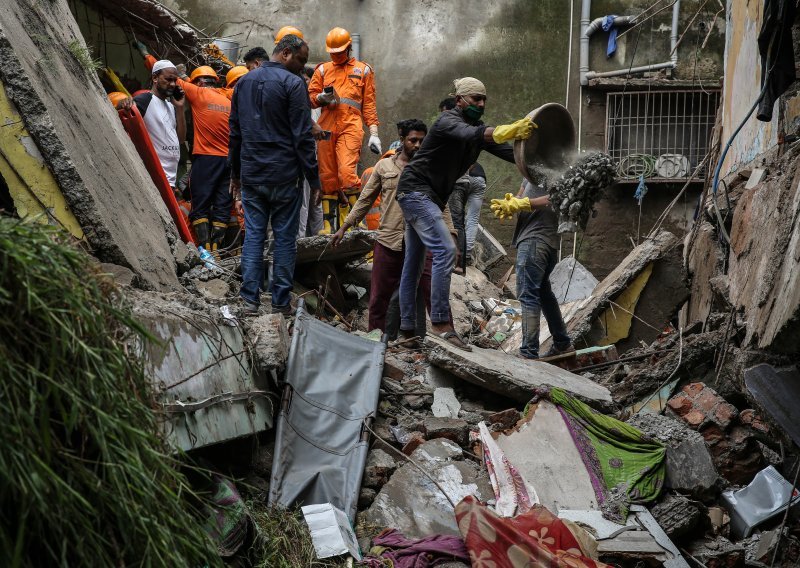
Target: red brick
x,y
507,418
693,389
713,434
724,413
750,418
706,401
417,439
695,418
680,404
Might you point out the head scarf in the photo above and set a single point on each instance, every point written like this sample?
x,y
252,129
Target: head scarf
x,y
162,64
467,86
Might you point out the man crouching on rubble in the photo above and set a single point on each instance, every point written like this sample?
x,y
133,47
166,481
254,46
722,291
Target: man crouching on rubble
x,y
452,145
536,240
271,151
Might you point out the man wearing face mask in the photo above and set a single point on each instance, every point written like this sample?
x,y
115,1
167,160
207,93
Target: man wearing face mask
x,y
345,90
453,144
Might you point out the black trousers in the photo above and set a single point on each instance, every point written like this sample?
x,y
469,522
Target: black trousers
x,y
209,188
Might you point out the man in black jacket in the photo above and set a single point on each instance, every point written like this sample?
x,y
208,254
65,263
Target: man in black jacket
x,y
452,145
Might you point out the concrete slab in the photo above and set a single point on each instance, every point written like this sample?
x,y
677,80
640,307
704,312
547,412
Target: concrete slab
x,y
511,376
445,404
571,281
355,244
411,503
270,340
81,139
488,251
202,374
543,452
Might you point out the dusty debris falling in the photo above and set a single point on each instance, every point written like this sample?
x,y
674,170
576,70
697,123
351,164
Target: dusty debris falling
x,y
576,190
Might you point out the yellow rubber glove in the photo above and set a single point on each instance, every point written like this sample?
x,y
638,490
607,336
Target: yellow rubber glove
x,y
519,130
505,208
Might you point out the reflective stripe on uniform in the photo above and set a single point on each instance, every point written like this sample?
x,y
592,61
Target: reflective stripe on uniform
x,y
355,104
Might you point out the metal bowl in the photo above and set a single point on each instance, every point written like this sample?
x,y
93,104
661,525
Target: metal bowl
x,y
552,144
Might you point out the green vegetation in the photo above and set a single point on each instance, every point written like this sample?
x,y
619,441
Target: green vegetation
x,y
84,56
283,540
85,476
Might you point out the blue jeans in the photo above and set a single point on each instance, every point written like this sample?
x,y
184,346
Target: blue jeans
x,y
280,205
425,228
535,262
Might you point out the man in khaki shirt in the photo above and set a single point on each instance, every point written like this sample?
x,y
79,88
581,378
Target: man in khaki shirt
x,y
387,265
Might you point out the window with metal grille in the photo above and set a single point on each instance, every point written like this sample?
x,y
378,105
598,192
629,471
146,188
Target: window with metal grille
x,y
662,135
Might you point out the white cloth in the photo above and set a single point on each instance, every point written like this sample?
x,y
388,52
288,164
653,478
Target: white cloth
x,y
162,126
467,86
162,64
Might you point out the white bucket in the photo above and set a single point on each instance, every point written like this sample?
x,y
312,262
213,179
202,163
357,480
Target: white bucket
x,y
229,47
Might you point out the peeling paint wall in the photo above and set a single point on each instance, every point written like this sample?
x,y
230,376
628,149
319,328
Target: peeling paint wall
x,y
742,86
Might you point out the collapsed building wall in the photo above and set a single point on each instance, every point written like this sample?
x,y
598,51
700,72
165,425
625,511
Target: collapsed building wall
x,y
749,261
49,76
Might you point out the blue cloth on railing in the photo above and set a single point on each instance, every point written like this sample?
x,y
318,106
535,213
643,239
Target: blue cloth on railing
x,y
608,26
641,190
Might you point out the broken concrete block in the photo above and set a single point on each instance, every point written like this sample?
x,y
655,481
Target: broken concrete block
x,y
488,252
83,143
445,404
412,504
735,451
679,516
365,497
270,340
571,281
689,466
718,552
511,376
355,244
755,178
214,289
452,429
473,286
505,419
121,275
380,467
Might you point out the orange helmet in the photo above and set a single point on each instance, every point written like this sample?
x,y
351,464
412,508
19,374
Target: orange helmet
x,y
337,40
234,75
116,97
287,30
204,71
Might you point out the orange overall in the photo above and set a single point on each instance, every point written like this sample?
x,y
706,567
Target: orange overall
x,y
354,83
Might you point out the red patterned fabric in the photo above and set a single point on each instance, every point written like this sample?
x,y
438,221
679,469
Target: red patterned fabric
x,y
536,539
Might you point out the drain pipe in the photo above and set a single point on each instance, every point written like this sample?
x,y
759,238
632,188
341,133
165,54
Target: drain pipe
x,y
586,9
591,28
356,39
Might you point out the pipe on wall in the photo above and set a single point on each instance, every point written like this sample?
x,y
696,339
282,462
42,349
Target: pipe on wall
x,y
356,39
589,27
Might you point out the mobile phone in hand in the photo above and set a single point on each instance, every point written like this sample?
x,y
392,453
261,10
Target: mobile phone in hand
x,y
328,90
178,93
326,135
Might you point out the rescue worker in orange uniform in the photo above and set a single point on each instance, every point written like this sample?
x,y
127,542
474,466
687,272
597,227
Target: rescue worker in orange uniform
x,y
345,90
209,178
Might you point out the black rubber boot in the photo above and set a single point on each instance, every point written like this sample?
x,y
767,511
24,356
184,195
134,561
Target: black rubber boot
x,y
202,230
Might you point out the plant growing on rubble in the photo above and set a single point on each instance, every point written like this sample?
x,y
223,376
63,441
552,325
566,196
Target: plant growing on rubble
x,y
85,477
84,56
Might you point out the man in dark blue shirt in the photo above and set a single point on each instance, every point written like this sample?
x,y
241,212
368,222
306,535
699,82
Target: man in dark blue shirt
x,y
271,151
